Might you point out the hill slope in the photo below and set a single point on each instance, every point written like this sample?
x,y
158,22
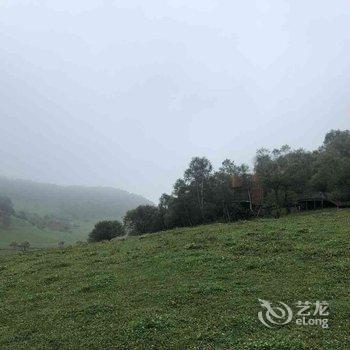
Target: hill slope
x,y
81,206
21,230
75,202
192,288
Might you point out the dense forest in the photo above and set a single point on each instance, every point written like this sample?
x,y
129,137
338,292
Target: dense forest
x,y
282,180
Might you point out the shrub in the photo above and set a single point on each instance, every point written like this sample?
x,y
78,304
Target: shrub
x,y
24,246
143,219
106,230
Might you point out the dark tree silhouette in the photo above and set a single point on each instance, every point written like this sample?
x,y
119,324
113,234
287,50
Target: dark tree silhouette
x,y
106,230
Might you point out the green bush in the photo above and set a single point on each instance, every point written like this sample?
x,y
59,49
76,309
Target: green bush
x,y
106,230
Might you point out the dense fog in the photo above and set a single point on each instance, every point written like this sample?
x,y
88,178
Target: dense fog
x,y
124,93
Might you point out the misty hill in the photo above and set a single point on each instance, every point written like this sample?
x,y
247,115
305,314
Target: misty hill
x,y
72,202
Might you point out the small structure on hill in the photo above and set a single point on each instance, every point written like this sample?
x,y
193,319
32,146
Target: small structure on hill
x,y
318,200
247,191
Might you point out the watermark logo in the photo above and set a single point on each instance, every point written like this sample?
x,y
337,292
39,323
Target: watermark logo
x,y
307,313
274,315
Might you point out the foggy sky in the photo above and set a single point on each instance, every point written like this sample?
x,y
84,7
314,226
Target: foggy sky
x,y
124,93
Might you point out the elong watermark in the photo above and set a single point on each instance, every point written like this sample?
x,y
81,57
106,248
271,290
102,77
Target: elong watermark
x,y
308,313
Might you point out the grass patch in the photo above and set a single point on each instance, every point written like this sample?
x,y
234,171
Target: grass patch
x,y
194,288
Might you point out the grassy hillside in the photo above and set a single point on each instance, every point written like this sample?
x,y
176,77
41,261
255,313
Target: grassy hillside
x,y
21,230
194,288
82,206
76,202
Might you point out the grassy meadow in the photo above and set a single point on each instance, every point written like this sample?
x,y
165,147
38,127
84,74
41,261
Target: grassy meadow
x,y
189,288
21,230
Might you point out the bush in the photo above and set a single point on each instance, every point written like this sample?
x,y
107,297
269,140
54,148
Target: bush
x,y
106,230
24,246
143,219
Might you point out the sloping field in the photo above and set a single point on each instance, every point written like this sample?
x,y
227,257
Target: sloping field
x,y
21,230
195,288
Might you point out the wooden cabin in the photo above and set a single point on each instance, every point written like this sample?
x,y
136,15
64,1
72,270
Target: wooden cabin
x,y
247,190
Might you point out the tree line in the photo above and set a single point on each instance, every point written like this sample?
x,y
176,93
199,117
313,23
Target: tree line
x,y
283,176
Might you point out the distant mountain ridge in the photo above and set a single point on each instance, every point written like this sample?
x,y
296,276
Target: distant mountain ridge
x,y
74,202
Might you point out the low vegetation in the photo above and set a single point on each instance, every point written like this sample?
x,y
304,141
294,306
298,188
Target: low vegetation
x,y
21,230
106,230
193,288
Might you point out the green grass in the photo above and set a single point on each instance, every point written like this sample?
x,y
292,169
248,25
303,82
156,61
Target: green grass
x,y
195,288
21,230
